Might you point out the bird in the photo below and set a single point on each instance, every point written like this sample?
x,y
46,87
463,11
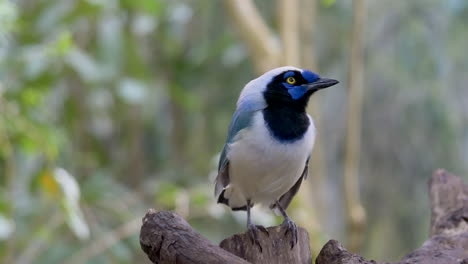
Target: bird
x,y
269,144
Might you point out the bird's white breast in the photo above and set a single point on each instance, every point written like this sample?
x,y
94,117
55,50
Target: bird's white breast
x,y
263,168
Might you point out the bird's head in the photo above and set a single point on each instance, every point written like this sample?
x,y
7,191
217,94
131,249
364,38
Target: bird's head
x,y
287,85
293,85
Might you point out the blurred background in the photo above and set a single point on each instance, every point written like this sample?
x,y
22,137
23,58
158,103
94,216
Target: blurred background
x,y
111,107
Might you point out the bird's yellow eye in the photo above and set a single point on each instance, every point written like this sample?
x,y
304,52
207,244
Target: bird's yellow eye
x,y
291,80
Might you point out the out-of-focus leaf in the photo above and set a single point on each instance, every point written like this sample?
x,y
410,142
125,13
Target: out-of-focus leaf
x,y
54,140
200,198
27,143
180,13
7,227
68,184
31,96
166,194
35,61
153,7
62,45
51,16
234,55
132,91
70,202
104,3
84,65
48,183
183,97
143,25
328,3
110,43
76,221
8,16
5,204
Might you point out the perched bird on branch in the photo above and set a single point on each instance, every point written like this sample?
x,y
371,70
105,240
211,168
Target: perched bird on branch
x,y
269,143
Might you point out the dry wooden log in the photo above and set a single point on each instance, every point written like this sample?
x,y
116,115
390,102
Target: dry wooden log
x,y
449,202
168,238
276,247
449,229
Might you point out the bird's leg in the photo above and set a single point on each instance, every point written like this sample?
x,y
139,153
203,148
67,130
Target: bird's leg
x,y
289,224
253,229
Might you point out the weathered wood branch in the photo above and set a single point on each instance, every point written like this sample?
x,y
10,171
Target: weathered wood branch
x,y
168,238
449,229
276,247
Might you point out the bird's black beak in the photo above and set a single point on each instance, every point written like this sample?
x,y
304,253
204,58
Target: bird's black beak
x,y
321,83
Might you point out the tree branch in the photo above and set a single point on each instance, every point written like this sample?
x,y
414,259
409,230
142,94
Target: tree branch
x,y
289,31
354,209
261,41
167,238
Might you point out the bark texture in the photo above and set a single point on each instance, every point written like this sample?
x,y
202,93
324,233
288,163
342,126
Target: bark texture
x,y
276,247
167,238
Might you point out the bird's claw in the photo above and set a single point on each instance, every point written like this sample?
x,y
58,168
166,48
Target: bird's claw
x,y
253,234
290,228
263,229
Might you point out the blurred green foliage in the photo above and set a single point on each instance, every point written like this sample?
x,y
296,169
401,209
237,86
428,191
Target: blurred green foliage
x,y
132,98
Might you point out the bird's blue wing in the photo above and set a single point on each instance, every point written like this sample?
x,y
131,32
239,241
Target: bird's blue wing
x,y
241,119
246,108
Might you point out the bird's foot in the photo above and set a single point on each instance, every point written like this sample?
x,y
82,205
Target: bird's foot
x,y
254,235
292,229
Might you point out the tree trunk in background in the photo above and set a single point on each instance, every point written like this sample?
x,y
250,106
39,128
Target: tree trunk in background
x,y
289,31
355,211
178,128
81,144
260,40
137,163
312,190
317,163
